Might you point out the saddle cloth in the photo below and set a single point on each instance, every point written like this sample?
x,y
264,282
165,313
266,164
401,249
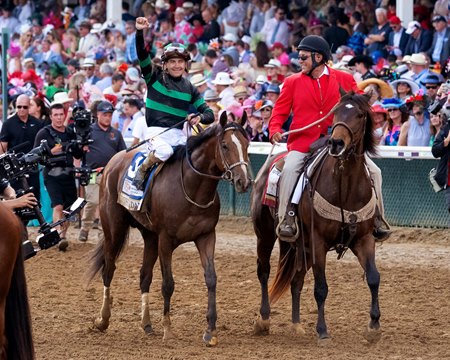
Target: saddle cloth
x,y
130,197
270,195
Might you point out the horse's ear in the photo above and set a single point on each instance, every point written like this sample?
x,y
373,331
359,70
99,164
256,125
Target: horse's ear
x,y
368,95
223,118
243,119
342,91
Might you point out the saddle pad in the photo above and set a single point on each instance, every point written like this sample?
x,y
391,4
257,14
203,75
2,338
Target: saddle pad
x,y
270,194
130,197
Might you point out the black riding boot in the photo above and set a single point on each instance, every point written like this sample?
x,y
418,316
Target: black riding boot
x,y
288,229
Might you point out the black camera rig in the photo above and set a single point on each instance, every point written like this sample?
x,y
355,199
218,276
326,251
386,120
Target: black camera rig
x,y
16,166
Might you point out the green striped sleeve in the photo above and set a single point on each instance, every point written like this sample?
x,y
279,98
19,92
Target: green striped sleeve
x,y
171,93
164,108
199,102
145,62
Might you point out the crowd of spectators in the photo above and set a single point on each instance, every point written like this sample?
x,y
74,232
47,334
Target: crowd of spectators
x,y
241,53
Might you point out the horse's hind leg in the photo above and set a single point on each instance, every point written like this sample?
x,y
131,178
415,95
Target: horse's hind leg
x,y
115,233
148,263
206,245
296,289
364,249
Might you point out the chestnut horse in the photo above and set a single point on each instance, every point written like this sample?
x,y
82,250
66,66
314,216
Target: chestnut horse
x,y
342,181
184,206
16,340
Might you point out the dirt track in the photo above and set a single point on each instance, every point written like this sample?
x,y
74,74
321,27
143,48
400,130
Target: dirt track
x,y
414,298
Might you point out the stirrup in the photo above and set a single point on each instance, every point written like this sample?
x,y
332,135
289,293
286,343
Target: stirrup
x,y
139,179
285,237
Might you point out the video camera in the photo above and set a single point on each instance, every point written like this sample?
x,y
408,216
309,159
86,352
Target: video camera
x,y
82,120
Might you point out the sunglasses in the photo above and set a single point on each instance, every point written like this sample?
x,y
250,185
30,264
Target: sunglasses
x,y
266,109
22,107
419,113
431,87
303,57
391,110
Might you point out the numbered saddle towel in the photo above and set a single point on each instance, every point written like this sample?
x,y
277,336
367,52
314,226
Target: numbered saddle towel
x,y
129,196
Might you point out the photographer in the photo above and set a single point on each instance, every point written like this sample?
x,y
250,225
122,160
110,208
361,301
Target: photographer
x,y
21,129
106,142
11,202
58,174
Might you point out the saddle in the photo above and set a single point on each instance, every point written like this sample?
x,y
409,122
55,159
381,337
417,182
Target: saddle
x,y
129,196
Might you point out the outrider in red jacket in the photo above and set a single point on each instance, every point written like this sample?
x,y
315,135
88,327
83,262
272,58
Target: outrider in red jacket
x,y
309,99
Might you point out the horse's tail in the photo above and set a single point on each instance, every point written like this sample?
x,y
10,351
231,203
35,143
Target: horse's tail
x,y
285,272
18,329
97,258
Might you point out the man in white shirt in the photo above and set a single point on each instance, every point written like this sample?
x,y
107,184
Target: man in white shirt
x,y
222,83
276,29
87,40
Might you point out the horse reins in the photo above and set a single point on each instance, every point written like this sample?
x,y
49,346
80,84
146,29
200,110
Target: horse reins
x,y
227,175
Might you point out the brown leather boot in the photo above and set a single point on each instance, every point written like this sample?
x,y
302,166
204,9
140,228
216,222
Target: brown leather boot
x,y
141,172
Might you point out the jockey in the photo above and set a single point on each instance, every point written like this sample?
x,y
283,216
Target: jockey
x,y
317,85
169,98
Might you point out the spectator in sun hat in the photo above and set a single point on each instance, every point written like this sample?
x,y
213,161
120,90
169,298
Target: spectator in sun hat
x,y
432,83
273,68
404,88
362,65
199,81
241,93
378,88
397,115
88,67
273,93
223,82
440,47
379,119
420,39
229,48
419,66
398,38
211,97
416,130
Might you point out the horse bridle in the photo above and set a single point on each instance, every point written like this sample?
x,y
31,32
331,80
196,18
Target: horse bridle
x,y
227,175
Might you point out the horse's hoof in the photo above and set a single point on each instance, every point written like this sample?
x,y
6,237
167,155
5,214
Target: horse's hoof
x,y
324,341
261,327
148,329
372,335
298,329
210,339
101,324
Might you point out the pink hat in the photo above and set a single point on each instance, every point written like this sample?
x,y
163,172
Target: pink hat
x,y
248,103
236,109
14,49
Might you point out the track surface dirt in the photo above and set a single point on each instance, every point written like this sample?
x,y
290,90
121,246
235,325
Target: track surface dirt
x,y
414,301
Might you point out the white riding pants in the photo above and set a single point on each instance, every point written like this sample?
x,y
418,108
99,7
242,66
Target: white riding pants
x,y
163,144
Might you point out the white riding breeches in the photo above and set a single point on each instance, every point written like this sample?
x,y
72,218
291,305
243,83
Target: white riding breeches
x,y
163,144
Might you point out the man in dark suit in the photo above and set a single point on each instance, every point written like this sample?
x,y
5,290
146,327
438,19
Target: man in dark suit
x,y
398,38
212,27
440,48
420,39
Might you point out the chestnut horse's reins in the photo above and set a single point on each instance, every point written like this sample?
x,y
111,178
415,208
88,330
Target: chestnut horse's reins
x,y
296,131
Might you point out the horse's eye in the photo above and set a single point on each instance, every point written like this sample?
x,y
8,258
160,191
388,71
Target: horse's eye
x,y
360,115
224,146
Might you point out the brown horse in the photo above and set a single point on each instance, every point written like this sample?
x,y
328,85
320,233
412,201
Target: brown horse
x,y
342,183
16,341
184,206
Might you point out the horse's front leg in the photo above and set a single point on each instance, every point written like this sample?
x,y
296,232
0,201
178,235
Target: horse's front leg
x,y
206,245
320,291
148,263
364,249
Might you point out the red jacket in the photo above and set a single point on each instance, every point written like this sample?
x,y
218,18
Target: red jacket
x,y
301,95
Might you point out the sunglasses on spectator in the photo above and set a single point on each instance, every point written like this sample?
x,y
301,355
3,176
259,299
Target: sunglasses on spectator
x,y
303,57
266,109
391,110
22,107
419,113
431,87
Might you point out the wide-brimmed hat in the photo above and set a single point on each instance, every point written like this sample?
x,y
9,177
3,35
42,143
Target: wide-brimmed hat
x,y
96,28
261,79
273,63
392,103
240,90
88,62
211,95
385,90
377,107
222,78
61,98
418,59
198,80
196,67
365,59
413,85
161,4
229,37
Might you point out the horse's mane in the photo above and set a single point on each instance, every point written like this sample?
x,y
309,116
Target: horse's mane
x,y
194,142
362,102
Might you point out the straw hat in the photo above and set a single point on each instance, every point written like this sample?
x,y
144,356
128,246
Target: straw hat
x,y
240,91
418,59
196,67
198,80
385,90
